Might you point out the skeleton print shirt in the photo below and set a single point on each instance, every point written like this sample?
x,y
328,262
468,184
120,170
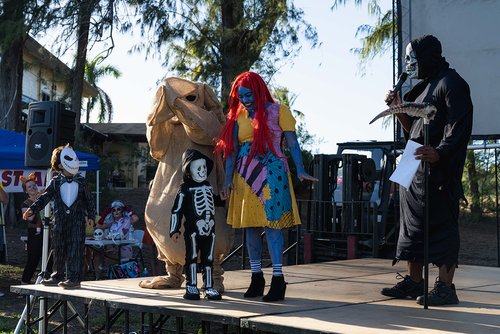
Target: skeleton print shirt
x,y
194,202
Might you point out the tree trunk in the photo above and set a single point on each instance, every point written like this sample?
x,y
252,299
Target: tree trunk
x,y
241,48
11,65
475,205
11,84
84,15
232,16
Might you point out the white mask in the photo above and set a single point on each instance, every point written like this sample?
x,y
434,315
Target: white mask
x,y
198,170
69,160
411,62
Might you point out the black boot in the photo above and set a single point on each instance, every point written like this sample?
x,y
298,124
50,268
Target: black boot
x,y
277,290
256,288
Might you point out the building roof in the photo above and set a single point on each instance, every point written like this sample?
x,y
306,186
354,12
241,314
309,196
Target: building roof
x,y
129,130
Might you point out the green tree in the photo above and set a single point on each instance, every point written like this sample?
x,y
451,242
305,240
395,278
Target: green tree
x,y
93,73
480,165
84,15
375,39
85,24
305,138
215,40
12,28
473,187
17,19
80,22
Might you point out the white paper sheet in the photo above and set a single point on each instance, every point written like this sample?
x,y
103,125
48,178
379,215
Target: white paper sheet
x,y
408,165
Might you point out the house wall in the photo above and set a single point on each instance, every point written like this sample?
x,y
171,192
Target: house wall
x,y
39,81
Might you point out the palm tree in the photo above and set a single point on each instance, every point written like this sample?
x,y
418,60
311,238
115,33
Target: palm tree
x,y
93,73
376,39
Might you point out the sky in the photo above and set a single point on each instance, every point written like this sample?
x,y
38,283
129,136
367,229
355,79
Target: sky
x,y
337,101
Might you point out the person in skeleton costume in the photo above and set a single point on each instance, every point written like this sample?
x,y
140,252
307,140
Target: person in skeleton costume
x,y
72,202
449,134
195,201
185,115
257,175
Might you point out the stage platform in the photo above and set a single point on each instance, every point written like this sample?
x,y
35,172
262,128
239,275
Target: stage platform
x,y
331,297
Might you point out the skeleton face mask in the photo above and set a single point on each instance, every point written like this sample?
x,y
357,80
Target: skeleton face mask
x,y
411,62
99,234
198,170
69,161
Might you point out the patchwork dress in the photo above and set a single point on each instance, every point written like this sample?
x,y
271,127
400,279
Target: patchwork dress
x,y
263,194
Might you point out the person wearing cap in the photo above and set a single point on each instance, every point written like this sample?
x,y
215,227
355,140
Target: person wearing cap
x,y
73,202
117,216
119,222
107,216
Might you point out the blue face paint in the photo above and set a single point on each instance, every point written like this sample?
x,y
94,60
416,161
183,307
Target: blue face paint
x,y
246,98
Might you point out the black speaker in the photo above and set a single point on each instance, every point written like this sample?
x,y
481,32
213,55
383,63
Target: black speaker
x,y
49,126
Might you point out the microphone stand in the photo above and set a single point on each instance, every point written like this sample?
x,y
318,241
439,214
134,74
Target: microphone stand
x,y
426,218
42,325
426,199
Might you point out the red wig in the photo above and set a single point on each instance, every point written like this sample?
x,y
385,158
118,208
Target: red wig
x,y
261,133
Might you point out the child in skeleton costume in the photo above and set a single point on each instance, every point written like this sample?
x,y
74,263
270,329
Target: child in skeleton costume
x,y
195,201
72,202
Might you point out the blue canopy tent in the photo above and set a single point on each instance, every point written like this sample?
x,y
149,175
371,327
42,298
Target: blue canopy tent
x,y
12,148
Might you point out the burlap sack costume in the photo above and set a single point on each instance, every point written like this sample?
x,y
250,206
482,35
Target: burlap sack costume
x,y
184,115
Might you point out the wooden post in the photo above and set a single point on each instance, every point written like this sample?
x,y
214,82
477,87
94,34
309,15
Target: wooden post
x,y
352,246
308,240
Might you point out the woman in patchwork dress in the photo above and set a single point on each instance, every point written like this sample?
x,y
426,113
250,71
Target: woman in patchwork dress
x,y
258,181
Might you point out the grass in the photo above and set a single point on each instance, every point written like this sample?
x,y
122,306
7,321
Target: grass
x,y
478,247
11,304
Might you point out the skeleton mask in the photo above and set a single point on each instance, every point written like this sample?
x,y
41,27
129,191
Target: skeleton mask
x,y
69,160
411,62
198,170
99,234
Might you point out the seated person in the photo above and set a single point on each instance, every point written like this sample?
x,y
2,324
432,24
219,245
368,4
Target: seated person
x,y
117,220
107,216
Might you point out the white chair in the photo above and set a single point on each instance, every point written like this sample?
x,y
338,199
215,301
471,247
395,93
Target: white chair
x,y
138,235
